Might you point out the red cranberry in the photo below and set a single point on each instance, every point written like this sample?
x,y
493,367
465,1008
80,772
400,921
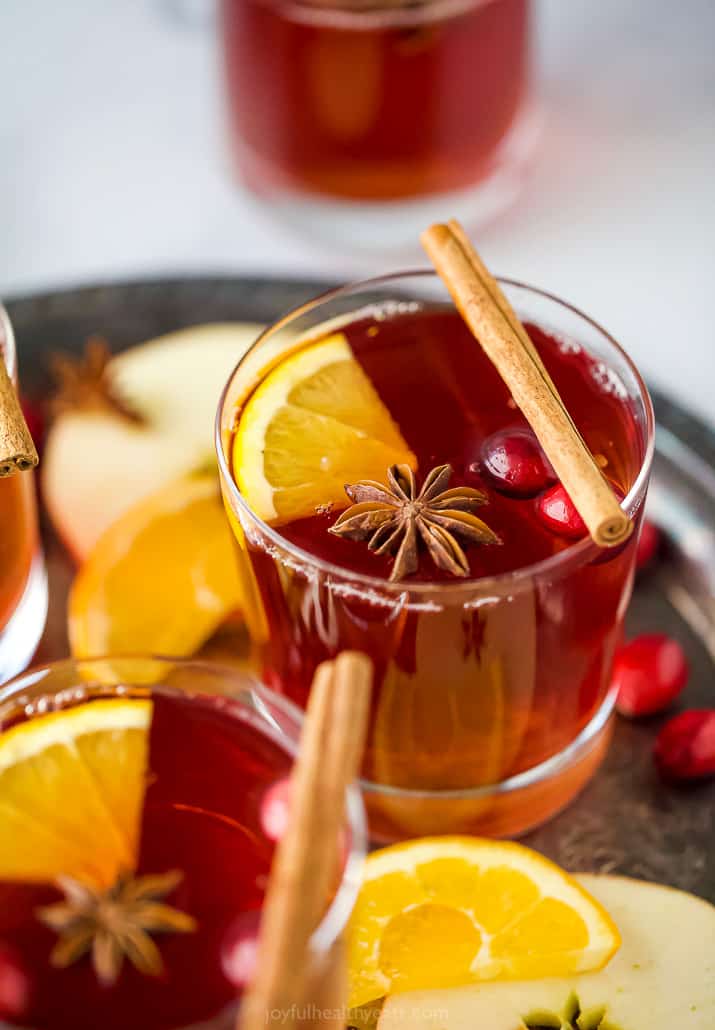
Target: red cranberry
x,y
240,948
14,985
648,544
649,672
515,463
685,748
557,512
275,808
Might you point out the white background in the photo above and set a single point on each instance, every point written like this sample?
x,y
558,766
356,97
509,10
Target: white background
x,y
113,164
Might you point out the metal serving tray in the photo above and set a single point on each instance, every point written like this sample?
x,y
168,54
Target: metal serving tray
x,y
626,820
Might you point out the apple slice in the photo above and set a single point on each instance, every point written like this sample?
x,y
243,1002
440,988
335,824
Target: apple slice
x,y
662,978
135,422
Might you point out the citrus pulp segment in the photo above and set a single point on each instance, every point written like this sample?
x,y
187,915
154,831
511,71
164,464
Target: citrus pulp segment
x,y
72,787
444,911
161,579
314,424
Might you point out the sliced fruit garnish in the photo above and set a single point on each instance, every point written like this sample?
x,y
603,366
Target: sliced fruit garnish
x,y
72,787
314,424
444,911
160,580
139,419
661,978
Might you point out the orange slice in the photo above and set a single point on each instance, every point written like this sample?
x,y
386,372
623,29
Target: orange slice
x,y
161,579
72,787
314,424
444,911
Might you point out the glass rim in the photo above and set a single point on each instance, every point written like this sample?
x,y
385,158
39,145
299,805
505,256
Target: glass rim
x,y
367,12
338,912
576,553
7,341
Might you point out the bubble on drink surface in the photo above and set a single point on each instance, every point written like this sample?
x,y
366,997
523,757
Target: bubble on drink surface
x,y
394,597
565,344
391,309
608,380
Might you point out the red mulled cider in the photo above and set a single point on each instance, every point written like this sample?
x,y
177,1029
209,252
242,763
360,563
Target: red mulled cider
x,y
23,585
148,816
493,644
377,102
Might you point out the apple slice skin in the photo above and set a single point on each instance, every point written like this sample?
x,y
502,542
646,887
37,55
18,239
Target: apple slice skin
x,y
96,468
663,977
97,465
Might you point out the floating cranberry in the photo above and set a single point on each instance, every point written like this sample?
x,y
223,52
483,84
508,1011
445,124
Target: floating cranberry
x,y
275,808
649,672
557,512
685,748
240,949
14,985
515,463
648,544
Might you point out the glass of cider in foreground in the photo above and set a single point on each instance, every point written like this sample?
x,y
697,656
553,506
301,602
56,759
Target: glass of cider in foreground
x,y
23,582
454,559
140,802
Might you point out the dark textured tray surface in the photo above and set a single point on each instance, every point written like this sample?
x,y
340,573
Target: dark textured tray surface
x,y
626,820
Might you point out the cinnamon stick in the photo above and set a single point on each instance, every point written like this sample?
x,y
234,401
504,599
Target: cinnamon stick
x,y
306,860
17,451
489,315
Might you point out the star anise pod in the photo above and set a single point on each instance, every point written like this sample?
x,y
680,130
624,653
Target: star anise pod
x,y
394,518
115,923
85,383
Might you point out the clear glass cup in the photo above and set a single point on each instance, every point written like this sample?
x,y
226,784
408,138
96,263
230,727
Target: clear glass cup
x,y
273,723
491,738
394,109
23,581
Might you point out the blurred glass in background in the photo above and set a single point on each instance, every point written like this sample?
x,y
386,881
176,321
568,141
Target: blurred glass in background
x,y
400,109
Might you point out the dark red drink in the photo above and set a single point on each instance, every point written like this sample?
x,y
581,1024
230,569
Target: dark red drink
x,y
373,101
203,771
449,401
479,679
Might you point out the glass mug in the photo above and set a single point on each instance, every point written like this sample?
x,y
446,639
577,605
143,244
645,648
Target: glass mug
x,y
338,107
23,582
492,698
203,768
